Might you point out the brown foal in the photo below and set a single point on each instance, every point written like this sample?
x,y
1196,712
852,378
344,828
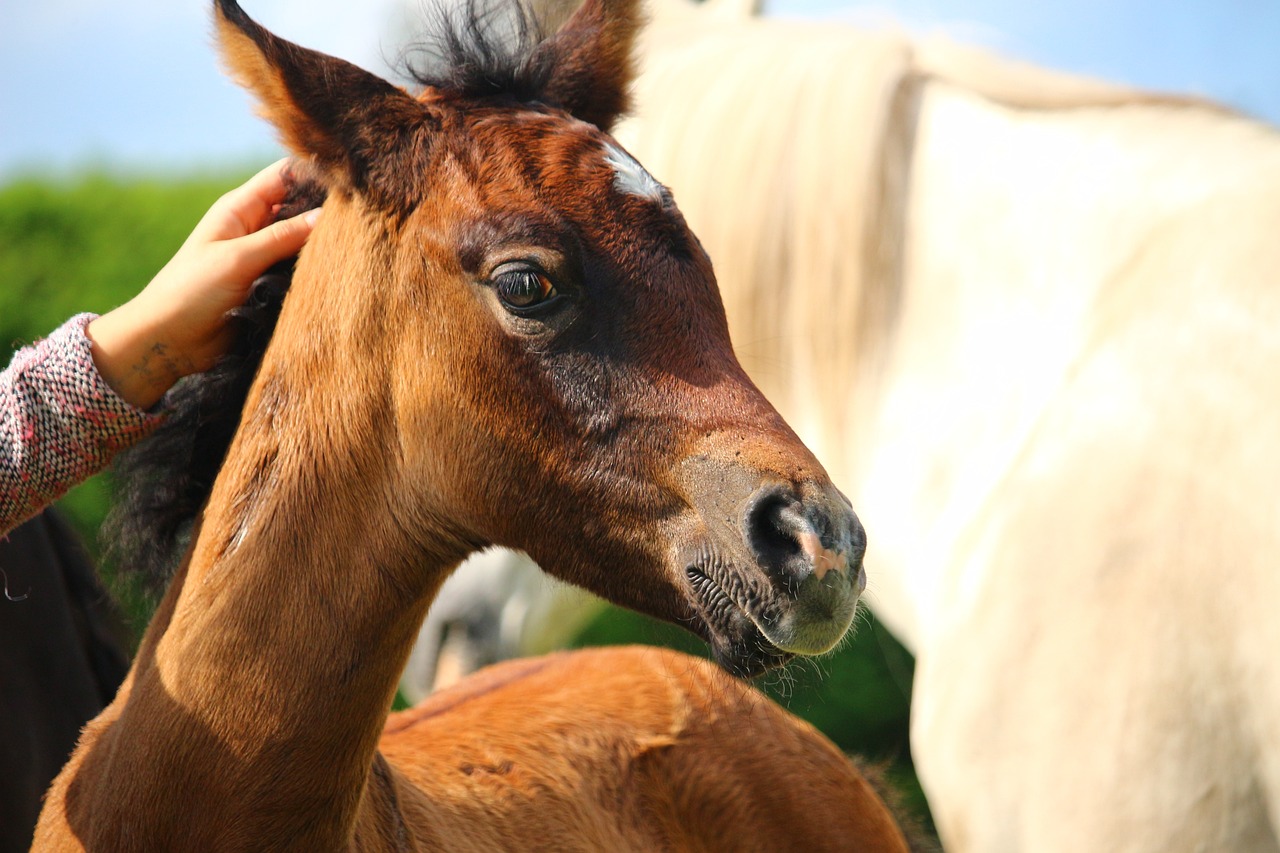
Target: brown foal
x,y
501,332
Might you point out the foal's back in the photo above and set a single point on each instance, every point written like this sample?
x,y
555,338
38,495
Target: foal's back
x,y
623,749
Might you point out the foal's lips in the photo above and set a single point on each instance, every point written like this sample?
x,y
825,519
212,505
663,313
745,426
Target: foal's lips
x,y
821,613
754,626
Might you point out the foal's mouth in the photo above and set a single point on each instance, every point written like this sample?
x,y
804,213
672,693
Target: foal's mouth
x,y
754,625
731,627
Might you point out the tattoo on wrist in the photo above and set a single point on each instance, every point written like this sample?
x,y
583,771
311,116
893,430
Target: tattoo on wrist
x,y
160,367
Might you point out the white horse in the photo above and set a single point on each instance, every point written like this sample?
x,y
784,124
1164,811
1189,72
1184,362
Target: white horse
x,y
1055,306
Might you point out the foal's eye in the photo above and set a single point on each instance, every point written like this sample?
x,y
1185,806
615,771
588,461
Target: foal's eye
x,y
524,288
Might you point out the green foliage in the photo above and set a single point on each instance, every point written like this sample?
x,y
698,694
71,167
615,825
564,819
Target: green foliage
x,y
87,245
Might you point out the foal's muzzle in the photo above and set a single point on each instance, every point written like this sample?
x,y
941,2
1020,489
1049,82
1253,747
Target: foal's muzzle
x,y
810,545
778,569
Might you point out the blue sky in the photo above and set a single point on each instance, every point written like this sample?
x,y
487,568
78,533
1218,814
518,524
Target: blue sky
x,y
134,84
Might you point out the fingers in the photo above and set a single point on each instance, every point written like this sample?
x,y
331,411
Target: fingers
x,y
277,241
249,206
267,188
240,226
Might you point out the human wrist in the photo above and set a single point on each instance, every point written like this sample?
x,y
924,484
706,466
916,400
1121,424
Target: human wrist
x,y
133,358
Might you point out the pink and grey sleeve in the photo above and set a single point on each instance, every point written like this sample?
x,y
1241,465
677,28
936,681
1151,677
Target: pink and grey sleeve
x,y
60,422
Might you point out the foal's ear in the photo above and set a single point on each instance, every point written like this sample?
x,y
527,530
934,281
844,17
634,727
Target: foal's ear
x,y
591,61
343,117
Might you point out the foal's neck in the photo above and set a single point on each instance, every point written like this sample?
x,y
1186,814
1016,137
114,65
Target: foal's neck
x,y
303,565
281,645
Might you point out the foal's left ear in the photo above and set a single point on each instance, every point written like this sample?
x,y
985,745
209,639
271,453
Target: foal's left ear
x,y
591,61
344,118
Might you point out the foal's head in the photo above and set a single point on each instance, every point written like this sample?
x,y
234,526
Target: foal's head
x,y
503,298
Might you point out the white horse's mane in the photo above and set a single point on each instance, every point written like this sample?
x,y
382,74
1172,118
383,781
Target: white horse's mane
x,y
713,64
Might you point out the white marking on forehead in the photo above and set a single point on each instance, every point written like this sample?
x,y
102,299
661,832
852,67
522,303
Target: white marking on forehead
x,y
630,177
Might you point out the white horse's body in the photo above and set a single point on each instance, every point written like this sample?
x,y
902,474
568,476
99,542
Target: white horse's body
x,y
1056,307
1074,477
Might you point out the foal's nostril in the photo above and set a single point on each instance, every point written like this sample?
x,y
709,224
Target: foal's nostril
x,y
772,526
786,537
858,543
794,540
806,544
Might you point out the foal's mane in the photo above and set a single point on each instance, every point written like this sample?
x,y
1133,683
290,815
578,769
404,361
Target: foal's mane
x,y
477,50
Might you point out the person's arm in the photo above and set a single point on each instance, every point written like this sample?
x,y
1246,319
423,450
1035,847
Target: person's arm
x,y
60,422
74,400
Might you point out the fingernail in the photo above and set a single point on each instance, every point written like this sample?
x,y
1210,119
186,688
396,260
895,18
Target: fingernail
x,y
311,216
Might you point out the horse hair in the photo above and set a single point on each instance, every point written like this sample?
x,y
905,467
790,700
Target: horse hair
x,y
164,481
480,48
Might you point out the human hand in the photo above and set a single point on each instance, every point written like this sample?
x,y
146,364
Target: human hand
x,y
178,325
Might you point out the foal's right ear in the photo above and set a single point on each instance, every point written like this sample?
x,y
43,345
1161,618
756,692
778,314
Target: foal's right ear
x,y
591,61
348,121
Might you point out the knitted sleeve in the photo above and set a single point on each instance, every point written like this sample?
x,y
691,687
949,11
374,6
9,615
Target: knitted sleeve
x,y
59,422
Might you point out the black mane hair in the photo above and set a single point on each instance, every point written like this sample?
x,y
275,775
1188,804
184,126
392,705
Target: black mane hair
x,y
480,49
